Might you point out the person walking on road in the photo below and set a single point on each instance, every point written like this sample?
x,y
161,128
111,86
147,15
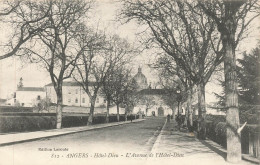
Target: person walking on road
x,y
168,118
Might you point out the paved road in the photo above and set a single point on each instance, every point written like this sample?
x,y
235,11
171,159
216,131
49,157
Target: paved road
x,y
124,144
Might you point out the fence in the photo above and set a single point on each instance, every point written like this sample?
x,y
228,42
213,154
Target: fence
x,y
250,136
254,143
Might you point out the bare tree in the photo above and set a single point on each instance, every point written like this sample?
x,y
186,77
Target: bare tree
x,y
172,76
27,20
116,84
184,33
120,83
117,88
107,89
231,19
93,65
9,7
97,63
55,47
129,94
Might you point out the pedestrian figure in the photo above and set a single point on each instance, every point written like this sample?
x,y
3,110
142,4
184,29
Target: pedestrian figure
x,y
168,118
131,117
178,119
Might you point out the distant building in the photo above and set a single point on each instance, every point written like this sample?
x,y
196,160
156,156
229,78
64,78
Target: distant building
x,y
74,95
150,101
140,80
28,96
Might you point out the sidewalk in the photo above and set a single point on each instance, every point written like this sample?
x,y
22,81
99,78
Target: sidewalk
x,y
180,147
8,139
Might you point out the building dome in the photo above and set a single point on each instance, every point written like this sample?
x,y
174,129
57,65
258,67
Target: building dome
x,y
140,80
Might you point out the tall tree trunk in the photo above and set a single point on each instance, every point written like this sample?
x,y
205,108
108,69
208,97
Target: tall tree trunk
x,y
59,112
178,109
107,115
117,114
202,111
173,113
126,116
227,26
231,94
232,117
59,107
186,115
189,110
91,112
179,115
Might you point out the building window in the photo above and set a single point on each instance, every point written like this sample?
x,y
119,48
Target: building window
x,y
38,97
105,100
83,100
76,91
76,100
97,101
69,100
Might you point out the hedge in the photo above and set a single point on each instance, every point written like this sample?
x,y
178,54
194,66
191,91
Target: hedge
x,y
26,114
24,123
15,109
74,121
216,130
217,133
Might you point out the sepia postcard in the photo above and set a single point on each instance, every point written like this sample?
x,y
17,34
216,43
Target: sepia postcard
x,y
129,82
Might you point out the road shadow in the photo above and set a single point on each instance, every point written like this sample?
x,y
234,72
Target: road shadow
x,y
215,149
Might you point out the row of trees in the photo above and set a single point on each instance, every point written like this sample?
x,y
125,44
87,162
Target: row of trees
x,y
54,35
194,38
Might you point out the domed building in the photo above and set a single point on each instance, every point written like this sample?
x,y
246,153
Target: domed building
x,y
140,80
150,101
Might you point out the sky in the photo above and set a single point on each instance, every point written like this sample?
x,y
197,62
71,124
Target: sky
x,y
11,69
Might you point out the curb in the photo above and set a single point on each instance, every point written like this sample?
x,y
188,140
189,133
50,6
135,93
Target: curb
x,y
66,133
248,158
157,141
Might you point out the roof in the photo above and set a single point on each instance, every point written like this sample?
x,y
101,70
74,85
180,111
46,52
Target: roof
x,y
71,83
153,92
31,89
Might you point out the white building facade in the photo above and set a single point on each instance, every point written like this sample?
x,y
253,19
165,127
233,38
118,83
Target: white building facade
x,y
74,95
29,96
